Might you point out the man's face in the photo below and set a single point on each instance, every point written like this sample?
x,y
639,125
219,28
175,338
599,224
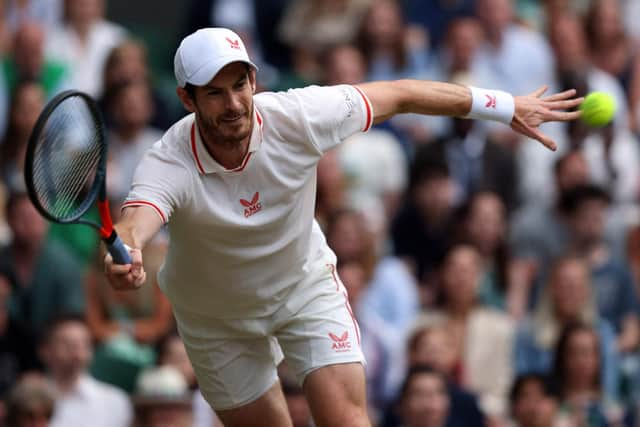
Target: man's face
x,y
224,106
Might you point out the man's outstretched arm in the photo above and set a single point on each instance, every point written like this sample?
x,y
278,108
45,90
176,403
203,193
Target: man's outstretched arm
x,y
523,113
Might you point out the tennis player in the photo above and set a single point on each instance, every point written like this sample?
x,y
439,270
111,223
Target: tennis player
x,y
248,271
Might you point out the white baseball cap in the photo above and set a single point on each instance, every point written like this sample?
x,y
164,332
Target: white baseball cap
x,y
201,55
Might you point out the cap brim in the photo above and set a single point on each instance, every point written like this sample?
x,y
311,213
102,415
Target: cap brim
x,y
208,71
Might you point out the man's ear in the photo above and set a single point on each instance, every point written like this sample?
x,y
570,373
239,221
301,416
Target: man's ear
x,y
252,79
187,102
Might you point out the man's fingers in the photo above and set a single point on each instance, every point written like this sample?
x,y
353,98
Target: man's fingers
x,y
560,96
119,269
520,126
540,91
564,105
564,116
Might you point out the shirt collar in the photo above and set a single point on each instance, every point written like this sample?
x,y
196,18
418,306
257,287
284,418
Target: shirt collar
x,y
207,164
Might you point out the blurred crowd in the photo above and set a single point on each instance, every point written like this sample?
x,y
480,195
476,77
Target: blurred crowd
x,y
495,282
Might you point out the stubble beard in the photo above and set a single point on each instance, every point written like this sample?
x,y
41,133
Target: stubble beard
x,y
213,135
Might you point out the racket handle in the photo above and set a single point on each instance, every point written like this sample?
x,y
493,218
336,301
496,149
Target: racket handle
x,y
118,251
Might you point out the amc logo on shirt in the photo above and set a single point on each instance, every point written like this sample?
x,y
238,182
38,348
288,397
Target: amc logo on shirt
x,y
253,206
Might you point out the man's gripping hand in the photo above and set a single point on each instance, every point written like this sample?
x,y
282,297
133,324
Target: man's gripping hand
x,y
124,277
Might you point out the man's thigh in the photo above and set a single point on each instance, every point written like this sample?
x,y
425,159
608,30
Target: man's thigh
x,y
269,410
234,362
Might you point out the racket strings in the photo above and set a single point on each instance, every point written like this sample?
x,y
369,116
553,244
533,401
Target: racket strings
x,y
67,157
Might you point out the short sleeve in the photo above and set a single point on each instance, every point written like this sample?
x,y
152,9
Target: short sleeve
x,y
333,113
161,181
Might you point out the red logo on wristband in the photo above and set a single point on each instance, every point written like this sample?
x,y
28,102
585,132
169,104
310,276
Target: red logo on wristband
x,y
492,101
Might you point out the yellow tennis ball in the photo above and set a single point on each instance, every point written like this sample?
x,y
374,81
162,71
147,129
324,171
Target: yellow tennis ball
x,y
598,109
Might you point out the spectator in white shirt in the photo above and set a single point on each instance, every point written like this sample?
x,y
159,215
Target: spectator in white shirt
x,y
84,42
82,401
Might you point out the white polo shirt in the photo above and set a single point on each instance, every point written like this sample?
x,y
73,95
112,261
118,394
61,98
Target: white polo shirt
x,y
241,239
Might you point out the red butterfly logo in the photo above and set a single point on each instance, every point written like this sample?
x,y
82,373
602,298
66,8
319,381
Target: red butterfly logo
x,y
491,103
340,343
253,206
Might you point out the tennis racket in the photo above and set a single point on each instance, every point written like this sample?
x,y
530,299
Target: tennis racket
x,y
65,167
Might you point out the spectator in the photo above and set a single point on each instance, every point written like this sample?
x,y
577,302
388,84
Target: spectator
x,y
464,37
539,234
27,101
317,24
533,403
128,62
570,44
476,162
613,51
391,291
435,16
29,63
131,108
83,42
424,399
17,354
576,376
30,403
421,230
162,398
500,61
66,351
615,294
45,279
566,299
482,338
47,13
392,50
483,225
431,345
254,20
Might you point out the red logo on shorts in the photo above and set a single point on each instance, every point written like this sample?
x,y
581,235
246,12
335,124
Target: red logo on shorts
x,y
253,206
491,103
234,44
340,343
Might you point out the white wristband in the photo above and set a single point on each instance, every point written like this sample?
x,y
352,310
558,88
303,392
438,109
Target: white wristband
x,y
493,105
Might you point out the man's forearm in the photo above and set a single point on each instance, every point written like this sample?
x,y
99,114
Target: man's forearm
x,y
138,225
417,96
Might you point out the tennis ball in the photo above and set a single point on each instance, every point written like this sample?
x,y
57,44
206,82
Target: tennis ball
x,y
598,109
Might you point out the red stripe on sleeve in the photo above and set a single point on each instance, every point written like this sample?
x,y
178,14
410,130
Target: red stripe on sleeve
x,y
145,203
369,122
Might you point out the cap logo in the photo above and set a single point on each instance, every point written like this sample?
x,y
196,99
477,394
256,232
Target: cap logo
x,y
233,44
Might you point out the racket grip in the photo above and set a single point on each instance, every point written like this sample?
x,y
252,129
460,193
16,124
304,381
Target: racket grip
x,y
117,250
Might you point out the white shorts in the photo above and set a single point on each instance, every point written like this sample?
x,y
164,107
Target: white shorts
x,y
235,360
